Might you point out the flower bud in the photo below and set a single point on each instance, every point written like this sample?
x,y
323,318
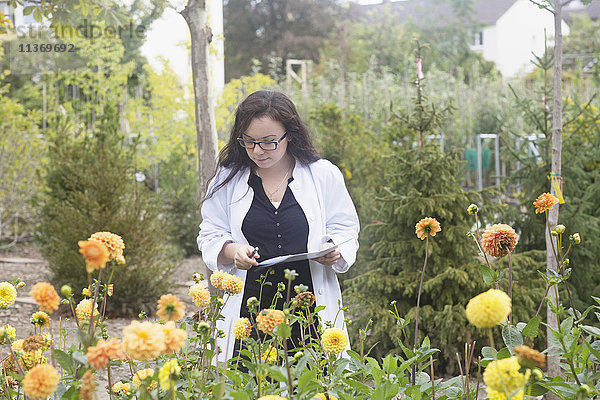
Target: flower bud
x,y
86,292
20,285
202,327
553,232
196,277
575,238
142,315
252,302
560,229
583,392
120,259
66,291
537,374
298,355
473,209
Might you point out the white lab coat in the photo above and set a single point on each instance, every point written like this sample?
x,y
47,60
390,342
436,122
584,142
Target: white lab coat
x,y
320,191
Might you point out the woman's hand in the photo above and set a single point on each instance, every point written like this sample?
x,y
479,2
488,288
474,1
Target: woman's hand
x,y
329,258
240,253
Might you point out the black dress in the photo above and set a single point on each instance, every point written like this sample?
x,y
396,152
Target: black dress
x,y
275,231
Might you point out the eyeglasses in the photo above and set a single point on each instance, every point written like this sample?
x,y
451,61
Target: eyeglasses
x,y
267,145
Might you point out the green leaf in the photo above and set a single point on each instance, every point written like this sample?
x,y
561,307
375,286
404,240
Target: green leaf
x,y
536,390
503,353
28,10
80,357
512,337
240,395
488,274
37,14
64,360
566,325
488,352
353,354
532,328
592,330
306,378
283,330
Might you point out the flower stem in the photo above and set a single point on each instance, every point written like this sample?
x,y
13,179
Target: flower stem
x,y
510,285
91,328
418,304
491,337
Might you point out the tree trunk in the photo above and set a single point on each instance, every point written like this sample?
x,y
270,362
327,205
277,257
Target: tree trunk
x,y
195,15
553,361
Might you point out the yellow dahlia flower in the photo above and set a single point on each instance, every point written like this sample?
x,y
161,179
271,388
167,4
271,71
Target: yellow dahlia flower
x,y
45,295
544,202
121,388
503,375
114,243
334,340
165,374
142,375
40,319
488,309
8,294
83,311
493,395
232,284
200,295
10,333
47,337
174,337
216,279
270,355
170,308
41,381
498,240
322,396
143,340
427,226
95,253
268,319
242,328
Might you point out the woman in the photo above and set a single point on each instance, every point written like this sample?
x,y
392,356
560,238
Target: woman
x,y
272,191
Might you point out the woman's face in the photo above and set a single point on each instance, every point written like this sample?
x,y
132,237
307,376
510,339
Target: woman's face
x,y
263,129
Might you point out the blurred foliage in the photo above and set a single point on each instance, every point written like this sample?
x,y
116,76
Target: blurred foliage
x,y
21,151
234,92
91,187
273,31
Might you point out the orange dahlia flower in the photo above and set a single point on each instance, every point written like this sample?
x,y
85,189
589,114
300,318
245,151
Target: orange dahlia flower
x,y
99,355
45,295
143,340
498,240
88,386
114,244
174,337
427,226
544,202
41,381
268,319
170,308
95,253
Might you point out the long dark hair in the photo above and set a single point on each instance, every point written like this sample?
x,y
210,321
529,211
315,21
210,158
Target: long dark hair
x,y
278,107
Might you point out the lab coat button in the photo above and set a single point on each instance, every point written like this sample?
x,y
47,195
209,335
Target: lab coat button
x,y
321,291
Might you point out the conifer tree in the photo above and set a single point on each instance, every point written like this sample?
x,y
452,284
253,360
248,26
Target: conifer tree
x,y
90,188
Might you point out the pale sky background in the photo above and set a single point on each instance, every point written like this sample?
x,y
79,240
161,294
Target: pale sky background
x,y
164,39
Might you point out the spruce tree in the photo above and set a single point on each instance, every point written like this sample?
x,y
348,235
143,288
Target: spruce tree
x,y
90,188
423,182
